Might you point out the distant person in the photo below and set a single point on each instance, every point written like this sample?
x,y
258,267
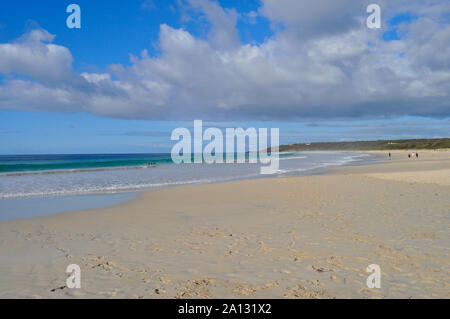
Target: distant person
x,y
409,155
417,155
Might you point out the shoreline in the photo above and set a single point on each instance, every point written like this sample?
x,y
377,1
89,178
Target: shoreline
x,y
309,236
19,207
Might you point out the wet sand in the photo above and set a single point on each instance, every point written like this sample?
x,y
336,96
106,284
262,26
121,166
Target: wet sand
x,y
296,237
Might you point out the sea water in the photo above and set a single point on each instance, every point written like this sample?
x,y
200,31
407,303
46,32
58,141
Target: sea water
x,y
36,185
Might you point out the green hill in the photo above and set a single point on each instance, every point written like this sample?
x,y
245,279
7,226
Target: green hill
x,y
414,144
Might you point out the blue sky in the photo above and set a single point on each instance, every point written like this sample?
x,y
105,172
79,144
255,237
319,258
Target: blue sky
x,y
230,63
112,30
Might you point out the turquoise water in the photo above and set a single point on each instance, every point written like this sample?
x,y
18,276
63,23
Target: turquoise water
x,y
23,163
39,185
56,175
30,163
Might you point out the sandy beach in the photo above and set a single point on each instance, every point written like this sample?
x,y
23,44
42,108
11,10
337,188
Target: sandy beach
x,y
296,237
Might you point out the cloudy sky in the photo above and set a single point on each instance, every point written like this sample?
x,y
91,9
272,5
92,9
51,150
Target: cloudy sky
x,y
137,69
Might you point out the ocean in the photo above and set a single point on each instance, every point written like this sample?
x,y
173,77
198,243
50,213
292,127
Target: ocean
x,y
33,181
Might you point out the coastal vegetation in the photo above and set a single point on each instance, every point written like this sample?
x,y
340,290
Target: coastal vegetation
x,y
409,144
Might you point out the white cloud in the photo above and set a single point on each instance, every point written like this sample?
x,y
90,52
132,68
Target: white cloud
x,y
223,32
308,18
324,63
34,55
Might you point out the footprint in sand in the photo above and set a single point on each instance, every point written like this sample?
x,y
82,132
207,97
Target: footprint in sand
x,y
321,269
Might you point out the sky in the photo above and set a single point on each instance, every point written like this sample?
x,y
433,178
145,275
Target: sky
x,y
136,70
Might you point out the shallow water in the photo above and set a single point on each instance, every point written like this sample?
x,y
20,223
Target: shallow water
x,y
29,207
25,194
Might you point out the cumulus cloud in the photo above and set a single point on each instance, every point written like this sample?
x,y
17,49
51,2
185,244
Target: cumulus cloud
x,y
322,63
34,55
223,33
308,18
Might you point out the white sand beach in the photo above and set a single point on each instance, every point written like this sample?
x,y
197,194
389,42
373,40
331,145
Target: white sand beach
x,y
297,237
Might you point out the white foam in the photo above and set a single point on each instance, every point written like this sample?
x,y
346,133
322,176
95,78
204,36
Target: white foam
x,y
115,180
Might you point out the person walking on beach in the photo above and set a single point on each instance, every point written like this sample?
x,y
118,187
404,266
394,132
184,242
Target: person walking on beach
x,y
409,155
417,155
